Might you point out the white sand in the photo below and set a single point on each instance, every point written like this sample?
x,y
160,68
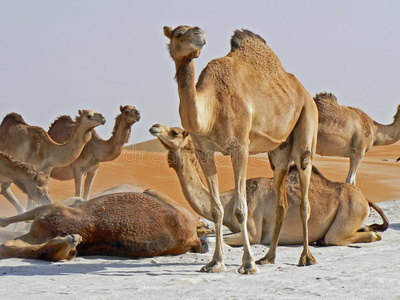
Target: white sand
x,y
367,271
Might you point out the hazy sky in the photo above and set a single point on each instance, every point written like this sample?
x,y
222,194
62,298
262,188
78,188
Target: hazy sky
x,y
57,57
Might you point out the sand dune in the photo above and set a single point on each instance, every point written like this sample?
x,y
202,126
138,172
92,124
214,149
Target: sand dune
x,y
378,175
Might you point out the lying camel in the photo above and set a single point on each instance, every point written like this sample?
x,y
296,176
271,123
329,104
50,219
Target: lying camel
x,y
349,132
95,151
24,176
125,224
338,210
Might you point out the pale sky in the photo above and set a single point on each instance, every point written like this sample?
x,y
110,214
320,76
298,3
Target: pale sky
x,y
57,57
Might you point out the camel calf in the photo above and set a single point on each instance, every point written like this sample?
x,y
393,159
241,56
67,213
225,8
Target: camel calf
x,y
125,224
26,177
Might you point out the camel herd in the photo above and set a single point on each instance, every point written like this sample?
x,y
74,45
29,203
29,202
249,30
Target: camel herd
x,y
244,103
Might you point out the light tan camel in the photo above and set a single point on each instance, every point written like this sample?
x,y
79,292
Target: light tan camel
x,y
124,224
349,132
95,151
338,210
31,144
23,175
245,103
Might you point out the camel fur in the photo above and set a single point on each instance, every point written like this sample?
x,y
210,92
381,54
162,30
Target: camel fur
x,y
338,210
25,177
245,103
95,151
125,224
349,132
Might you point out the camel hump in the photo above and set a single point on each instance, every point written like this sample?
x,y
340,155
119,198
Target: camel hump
x,y
61,129
13,119
241,36
325,97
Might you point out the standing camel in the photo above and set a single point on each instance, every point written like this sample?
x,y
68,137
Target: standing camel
x,y
338,210
31,144
23,175
350,132
95,151
245,103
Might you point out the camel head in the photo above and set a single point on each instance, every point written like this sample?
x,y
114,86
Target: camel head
x,y
60,247
129,114
37,188
173,138
90,119
185,42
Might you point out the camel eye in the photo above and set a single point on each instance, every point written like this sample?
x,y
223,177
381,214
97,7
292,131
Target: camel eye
x,y
175,133
89,117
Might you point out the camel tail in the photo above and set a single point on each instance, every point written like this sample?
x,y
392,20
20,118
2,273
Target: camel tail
x,y
378,227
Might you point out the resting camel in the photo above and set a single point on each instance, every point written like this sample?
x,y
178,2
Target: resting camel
x,y
338,210
125,224
23,175
31,144
95,151
349,132
245,103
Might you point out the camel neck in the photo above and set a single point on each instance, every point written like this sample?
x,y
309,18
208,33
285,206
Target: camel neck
x,y
195,113
64,154
387,134
113,147
183,163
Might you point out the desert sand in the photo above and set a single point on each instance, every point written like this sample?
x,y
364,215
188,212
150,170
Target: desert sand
x,y
369,271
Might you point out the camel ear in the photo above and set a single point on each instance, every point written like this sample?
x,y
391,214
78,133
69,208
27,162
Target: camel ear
x,y
168,32
80,112
185,134
121,108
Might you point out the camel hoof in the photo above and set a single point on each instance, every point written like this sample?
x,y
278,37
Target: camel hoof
x,y
248,269
307,260
213,267
266,260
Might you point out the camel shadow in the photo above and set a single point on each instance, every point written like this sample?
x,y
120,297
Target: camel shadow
x,y
395,226
113,267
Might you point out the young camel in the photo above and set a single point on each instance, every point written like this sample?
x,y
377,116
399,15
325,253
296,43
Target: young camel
x,y
338,210
95,151
124,224
245,103
349,132
31,144
24,176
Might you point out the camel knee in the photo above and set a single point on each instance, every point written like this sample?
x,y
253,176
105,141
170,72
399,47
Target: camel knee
x,y
305,158
217,214
281,210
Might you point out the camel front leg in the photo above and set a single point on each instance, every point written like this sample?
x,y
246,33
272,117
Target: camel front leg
x,y
88,183
26,216
78,182
6,192
210,172
239,162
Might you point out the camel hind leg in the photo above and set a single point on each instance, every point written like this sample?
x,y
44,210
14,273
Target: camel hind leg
x,y
350,218
280,160
304,145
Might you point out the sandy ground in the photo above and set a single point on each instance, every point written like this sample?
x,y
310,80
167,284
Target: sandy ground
x,y
370,271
